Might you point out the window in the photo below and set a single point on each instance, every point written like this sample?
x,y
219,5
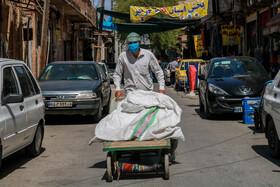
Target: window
x,y
10,85
35,85
25,83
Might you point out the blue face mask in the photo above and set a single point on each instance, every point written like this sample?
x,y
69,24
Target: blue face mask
x,y
134,47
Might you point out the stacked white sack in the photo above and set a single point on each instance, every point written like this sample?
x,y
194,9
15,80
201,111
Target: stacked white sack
x,y
120,124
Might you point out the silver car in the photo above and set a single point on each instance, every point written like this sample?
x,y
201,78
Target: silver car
x,y
167,74
21,111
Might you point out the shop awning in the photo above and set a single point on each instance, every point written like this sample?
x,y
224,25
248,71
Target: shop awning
x,y
272,28
78,11
154,24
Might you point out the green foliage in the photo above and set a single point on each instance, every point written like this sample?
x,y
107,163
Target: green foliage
x,y
162,40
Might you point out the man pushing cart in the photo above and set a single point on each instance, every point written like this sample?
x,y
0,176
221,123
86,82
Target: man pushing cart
x,y
145,121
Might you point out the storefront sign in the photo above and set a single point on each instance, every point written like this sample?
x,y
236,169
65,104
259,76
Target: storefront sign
x,y
198,45
231,34
141,14
192,10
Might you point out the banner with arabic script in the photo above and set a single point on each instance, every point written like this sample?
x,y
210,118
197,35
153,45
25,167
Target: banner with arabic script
x,y
141,14
231,34
198,45
192,10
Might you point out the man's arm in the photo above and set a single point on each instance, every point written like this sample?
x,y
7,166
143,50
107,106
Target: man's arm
x,y
156,69
117,77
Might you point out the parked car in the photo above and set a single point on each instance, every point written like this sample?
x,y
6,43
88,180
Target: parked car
x,y
167,74
271,115
75,87
181,74
226,81
111,69
22,110
163,65
104,67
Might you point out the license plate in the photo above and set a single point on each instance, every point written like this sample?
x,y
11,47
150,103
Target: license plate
x,y
238,109
60,104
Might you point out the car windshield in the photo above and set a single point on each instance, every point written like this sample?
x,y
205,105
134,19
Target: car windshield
x,y
234,67
163,65
69,72
185,65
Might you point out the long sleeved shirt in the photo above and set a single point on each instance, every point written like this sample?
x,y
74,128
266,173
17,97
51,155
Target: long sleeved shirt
x,y
174,65
137,71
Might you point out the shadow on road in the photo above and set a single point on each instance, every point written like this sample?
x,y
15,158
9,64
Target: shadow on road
x,y
221,117
262,150
15,162
69,120
253,128
99,165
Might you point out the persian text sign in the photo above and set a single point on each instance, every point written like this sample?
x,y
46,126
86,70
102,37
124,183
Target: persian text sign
x,y
141,14
231,34
192,10
198,45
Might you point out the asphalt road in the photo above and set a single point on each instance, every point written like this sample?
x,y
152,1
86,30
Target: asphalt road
x,y
219,152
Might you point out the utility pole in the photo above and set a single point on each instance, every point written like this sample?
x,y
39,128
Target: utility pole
x,y
44,38
99,41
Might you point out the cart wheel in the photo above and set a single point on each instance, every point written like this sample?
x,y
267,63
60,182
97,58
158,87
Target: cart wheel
x,y
166,167
109,167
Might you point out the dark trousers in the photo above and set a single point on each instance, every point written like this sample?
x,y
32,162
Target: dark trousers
x,y
172,78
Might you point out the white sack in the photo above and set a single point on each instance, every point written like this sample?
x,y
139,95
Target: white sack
x,y
120,124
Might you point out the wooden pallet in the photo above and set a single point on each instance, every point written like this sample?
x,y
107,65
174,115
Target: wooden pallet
x,y
135,145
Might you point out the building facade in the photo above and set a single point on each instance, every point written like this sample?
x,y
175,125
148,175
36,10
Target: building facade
x,y
21,29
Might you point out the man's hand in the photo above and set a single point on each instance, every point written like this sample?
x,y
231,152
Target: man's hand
x,y
161,91
119,94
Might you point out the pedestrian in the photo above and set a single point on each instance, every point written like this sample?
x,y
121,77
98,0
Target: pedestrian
x,y
173,65
135,65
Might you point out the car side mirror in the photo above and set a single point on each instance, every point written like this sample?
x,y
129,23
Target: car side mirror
x,y
12,98
201,77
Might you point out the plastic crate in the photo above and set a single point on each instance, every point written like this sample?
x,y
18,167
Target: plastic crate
x,y
249,103
248,118
248,121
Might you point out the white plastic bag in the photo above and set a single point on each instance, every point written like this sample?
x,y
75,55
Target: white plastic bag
x,y
142,115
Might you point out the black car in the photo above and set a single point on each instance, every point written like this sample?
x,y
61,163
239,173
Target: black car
x,y
111,69
75,87
226,81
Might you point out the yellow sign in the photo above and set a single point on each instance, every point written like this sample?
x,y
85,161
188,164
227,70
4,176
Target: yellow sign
x,y
141,14
231,34
192,10
198,45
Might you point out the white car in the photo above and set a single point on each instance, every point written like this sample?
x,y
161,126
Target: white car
x,y
21,110
167,74
271,115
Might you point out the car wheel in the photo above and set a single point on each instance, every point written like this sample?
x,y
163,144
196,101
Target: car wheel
x,y
98,116
207,113
201,106
273,140
35,148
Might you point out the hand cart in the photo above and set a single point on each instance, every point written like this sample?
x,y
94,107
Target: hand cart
x,y
118,148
